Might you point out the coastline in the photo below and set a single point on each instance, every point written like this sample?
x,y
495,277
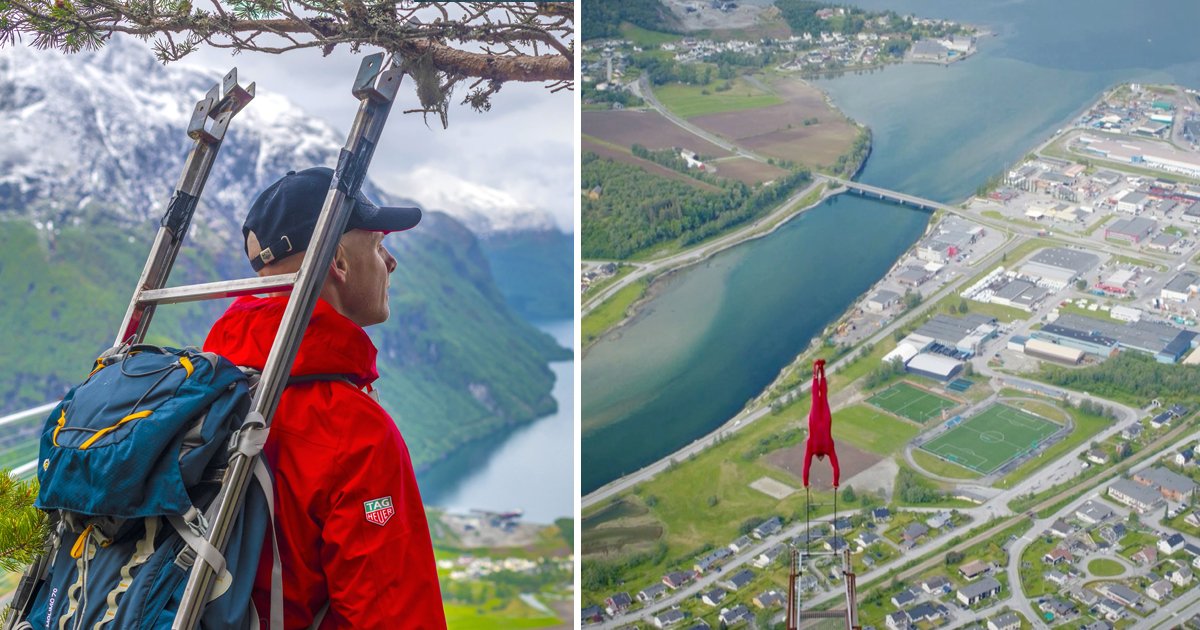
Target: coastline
x,y
718,243
737,237
759,405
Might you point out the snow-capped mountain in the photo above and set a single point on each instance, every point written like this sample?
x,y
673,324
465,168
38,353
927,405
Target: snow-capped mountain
x,y
105,135
102,132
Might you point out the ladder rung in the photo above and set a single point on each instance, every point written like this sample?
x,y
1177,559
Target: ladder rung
x,y
216,290
821,614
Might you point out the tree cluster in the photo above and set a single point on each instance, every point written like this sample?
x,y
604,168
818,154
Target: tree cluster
x,y
598,575
603,19
1132,376
886,371
912,488
637,210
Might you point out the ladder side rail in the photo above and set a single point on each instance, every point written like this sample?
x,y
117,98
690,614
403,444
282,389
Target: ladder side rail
x,y
170,236
180,209
376,100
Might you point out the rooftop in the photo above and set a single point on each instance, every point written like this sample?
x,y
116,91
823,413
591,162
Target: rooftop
x,y
1063,258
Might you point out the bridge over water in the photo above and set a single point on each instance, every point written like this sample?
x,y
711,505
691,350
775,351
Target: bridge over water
x,y
867,190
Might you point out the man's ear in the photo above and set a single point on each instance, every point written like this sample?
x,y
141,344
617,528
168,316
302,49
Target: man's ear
x,y
339,268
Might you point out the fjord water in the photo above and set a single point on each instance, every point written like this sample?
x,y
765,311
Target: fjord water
x,y
530,467
716,334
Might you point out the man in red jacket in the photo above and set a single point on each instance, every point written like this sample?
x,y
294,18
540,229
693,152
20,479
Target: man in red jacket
x,y
353,541
820,422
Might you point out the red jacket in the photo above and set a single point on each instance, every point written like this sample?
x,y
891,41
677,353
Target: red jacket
x,y
820,422
351,525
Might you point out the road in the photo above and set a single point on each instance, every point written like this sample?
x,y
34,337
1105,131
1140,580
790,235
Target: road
x,y
781,215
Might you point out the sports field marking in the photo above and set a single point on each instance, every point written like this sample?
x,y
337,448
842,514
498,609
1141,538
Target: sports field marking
x,y
910,402
988,440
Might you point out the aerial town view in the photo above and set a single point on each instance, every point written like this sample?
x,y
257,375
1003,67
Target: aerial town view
x,y
988,226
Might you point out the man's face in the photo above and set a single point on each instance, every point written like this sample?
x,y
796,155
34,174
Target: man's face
x,y
368,265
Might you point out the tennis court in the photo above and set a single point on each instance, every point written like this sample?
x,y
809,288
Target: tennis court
x,y
911,402
992,438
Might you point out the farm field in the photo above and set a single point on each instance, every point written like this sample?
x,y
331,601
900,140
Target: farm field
x,y
689,101
988,440
909,401
625,128
748,171
623,155
779,131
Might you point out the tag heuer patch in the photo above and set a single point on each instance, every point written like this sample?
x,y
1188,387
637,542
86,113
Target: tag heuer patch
x,y
379,511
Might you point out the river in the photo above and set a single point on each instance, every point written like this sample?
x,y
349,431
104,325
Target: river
x,y
716,334
529,467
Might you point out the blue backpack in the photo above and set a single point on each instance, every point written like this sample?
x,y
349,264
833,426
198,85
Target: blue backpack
x,y
129,464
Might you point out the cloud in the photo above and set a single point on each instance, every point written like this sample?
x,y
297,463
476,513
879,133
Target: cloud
x,y
483,208
521,152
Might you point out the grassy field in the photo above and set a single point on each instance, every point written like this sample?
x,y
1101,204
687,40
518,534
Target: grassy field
x,y
645,37
514,614
1103,567
986,441
941,467
870,430
909,401
611,312
1085,427
999,311
689,101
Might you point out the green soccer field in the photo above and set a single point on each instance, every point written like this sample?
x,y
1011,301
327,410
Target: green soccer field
x,y
911,402
988,440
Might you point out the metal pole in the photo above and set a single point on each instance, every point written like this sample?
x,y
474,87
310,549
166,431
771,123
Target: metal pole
x,y
182,206
376,89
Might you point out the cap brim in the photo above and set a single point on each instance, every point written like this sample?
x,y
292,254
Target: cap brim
x,y
374,218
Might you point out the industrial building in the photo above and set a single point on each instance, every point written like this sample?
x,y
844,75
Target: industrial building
x,y
1057,267
1144,153
936,366
1045,350
1181,288
1020,294
882,300
951,237
959,334
1133,230
1165,342
1132,202
1191,213
912,276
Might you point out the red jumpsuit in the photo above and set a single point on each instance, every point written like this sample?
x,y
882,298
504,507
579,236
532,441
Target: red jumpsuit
x,y
348,511
820,440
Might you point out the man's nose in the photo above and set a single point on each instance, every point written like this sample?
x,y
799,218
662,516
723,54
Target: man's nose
x,y
391,262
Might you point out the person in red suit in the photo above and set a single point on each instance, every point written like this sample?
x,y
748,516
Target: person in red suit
x,y
820,440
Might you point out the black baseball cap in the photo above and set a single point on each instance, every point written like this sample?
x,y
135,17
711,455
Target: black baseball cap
x,y
284,216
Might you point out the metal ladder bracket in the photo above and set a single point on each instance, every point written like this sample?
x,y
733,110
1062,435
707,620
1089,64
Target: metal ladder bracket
x,y
220,104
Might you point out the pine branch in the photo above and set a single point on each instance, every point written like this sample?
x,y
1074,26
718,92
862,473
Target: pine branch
x,y
23,528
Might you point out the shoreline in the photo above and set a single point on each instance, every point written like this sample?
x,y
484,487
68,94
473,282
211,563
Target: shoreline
x,y
759,403
660,276
656,275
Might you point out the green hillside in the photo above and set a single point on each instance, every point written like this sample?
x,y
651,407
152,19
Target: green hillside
x,y
455,362
535,272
